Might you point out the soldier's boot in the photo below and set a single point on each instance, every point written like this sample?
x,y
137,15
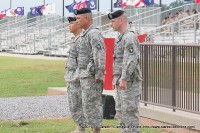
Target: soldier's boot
x,y
95,130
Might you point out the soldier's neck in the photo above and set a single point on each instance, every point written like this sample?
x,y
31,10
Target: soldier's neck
x,y
87,25
123,29
78,32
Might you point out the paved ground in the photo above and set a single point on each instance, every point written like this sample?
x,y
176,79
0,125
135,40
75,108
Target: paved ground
x,y
32,56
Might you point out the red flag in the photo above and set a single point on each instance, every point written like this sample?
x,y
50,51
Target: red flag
x,y
124,5
81,5
197,1
2,14
142,37
109,42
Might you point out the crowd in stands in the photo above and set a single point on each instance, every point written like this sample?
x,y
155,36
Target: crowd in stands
x,y
180,15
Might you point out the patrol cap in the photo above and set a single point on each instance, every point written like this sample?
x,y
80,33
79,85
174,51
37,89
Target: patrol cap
x,y
115,14
82,11
70,19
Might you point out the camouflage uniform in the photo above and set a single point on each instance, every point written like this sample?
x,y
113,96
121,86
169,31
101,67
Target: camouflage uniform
x,y
74,89
126,67
91,62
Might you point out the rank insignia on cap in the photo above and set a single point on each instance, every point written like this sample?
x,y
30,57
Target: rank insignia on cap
x,y
115,14
98,46
82,11
70,19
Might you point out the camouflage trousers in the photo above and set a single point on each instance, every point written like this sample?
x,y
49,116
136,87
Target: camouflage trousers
x,y
92,101
127,102
75,102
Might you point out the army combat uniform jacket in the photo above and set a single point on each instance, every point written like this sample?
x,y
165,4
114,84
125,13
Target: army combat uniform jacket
x,y
126,58
91,58
72,64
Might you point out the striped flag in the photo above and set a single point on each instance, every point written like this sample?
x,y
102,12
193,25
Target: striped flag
x,y
137,3
2,14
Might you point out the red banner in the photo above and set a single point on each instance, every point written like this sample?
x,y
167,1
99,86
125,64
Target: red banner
x,y
109,42
197,1
141,38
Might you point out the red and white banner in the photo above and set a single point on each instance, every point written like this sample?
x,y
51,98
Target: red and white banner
x,y
81,5
197,1
109,42
2,14
137,3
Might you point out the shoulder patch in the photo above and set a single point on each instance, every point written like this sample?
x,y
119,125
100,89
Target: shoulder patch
x,y
98,46
130,50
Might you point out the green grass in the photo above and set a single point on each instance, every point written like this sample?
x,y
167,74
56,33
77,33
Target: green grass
x,y
29,77
56,126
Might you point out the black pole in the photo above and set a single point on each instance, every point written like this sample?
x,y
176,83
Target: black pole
x,y
74,1
98,6
63,8
10,3
111,5
160,3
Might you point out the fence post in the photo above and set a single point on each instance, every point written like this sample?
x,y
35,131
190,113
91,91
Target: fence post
x,y
145,74
173,77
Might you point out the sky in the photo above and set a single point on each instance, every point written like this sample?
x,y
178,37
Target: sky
x,y
104,5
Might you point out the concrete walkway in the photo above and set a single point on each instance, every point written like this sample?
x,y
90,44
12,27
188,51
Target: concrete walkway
x,y
165,115
32,56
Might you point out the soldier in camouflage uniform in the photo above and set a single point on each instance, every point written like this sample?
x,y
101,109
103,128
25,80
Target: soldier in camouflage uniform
x,y
91,62
127,74
74,89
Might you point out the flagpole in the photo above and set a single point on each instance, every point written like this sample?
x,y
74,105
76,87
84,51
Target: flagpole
x,y
10,3
160,3
98,6
111,6
63,9
44,2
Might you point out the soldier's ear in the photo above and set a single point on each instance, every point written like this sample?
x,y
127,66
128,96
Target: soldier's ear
x,y
121,21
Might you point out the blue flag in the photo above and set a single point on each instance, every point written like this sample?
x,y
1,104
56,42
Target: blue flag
x,y
19,10
40,9
91,4
118,4
71,7
33,11
148,2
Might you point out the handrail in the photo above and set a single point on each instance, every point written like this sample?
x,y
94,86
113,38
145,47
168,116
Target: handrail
x,y
107,25
32,23
7,24
188,17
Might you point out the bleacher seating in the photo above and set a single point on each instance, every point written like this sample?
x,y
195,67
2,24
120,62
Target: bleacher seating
x,y
49,34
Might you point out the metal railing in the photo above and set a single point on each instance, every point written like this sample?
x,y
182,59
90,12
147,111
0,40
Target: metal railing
x,y
184,30
171,76
137,16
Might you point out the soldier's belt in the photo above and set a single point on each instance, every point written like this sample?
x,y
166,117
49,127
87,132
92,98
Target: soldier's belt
x,y
118,58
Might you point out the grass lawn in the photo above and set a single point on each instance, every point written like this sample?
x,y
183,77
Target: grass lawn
x,y
29,77
56,126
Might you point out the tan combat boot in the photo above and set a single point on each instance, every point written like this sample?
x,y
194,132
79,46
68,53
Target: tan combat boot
x,y
95,130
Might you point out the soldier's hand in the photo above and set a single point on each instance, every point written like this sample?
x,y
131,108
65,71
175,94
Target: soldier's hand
x,y
122,84
113,87
98,80
77,79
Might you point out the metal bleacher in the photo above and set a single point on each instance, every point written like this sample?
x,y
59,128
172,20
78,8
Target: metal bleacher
x,y
49,35
180,31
